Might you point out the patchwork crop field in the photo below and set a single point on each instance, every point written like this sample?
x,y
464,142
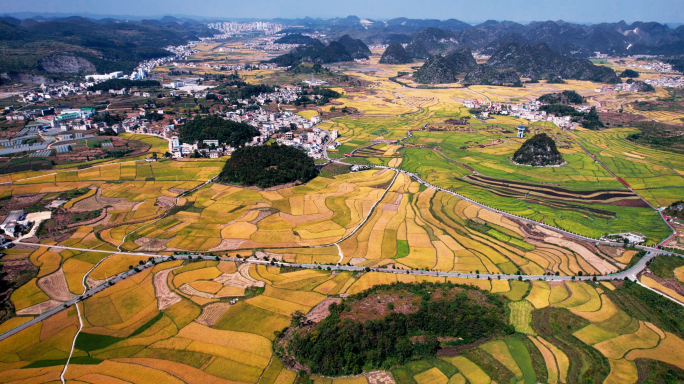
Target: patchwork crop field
x,y
214,320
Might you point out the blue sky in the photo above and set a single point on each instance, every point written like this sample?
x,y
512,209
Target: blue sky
x,y
592,11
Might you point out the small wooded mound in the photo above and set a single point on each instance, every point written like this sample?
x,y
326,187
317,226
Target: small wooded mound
x,y
388,325
538,151
267,166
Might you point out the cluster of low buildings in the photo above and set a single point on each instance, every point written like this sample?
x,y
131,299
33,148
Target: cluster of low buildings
x,y
232,28
15,222
672,82
315,141
526,110
627,237
657,66
627,87
288,129
50,129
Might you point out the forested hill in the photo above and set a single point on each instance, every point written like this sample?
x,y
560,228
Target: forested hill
x,y
538,61
565,97
395,54
102,46
268,165
443,69
346,49
389,325
540,150
214,127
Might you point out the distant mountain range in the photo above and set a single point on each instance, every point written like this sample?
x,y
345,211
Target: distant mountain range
x,y
577,39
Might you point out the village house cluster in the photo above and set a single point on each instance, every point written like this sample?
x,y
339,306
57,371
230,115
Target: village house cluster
x,y
657,66
234,28
673,82
286,127
526,110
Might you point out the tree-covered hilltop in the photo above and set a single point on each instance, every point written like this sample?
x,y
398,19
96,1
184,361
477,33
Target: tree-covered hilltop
x,y
214,127
297,38
395,54
538,151
268,165
629,73
565,97
346,49
536,60
444,69
389,325
356,48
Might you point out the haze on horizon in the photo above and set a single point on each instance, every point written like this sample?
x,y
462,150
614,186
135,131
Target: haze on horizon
x,y
582,11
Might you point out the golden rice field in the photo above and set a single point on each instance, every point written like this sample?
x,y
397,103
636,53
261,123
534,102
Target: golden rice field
x,y
175,322
124,326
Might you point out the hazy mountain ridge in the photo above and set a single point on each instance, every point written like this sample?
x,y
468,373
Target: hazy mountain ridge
x,y
614,38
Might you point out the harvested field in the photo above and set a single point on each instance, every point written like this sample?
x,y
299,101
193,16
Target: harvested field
x,y
228,245
39,308
177,191
239,279
212,313
321,311
600,264
165,296
55,286
380,377
375,306
192,291
166,202
148,244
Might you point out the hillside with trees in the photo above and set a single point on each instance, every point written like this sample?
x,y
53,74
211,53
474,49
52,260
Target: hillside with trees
x,y
444,69
346,49
357,49
537,60
214,127
297,38
485,75
265,166
389,325
565,98
539,151
395,54
79,45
